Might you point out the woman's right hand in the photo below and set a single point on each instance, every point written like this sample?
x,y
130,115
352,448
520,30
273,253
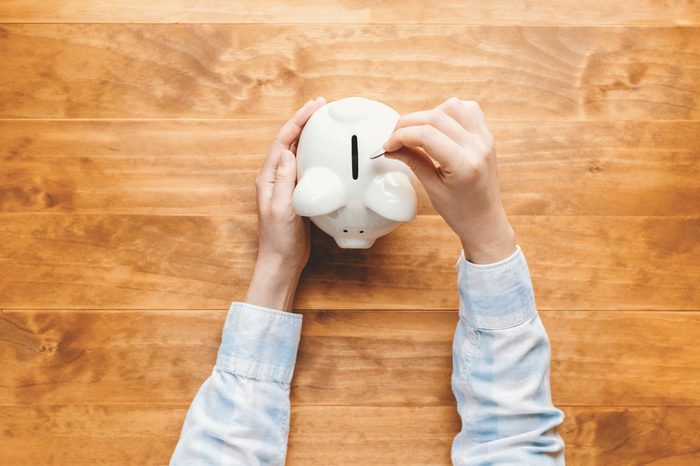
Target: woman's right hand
x,y
463,186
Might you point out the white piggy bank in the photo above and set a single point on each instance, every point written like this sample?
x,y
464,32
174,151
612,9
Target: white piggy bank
x,y
346,194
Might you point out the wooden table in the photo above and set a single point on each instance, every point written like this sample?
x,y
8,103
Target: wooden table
x,y
130,136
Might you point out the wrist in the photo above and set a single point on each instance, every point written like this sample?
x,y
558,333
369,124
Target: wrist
x,y
494,241
273,284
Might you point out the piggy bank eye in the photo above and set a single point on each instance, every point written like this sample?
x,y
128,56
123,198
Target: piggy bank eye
x,y
354,157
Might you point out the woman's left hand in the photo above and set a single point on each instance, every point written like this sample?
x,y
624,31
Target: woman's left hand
x,y
283,237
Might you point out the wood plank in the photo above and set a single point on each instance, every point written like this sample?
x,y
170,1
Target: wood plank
x,y
338,435
593,436
345,357
186,262
621,436
89,435
494,12
248,71
208,167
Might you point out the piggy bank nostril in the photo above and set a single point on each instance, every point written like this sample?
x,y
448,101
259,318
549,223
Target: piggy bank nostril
x,y
362,231
345,231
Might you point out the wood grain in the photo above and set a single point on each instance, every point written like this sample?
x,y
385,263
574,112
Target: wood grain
x,y
208,167
130,135
494,12
187,262
338,435
245,71
345,358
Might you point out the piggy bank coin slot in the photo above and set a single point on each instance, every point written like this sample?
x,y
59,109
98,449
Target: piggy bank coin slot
x,y
354,158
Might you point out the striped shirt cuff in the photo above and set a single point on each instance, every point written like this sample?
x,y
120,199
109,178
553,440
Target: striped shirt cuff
x,y
495,296
260,343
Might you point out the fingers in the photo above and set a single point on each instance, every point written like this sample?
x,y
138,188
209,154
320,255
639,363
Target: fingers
x,y
421,165
265,181
285,180
292,129
468,114
431,140
440,120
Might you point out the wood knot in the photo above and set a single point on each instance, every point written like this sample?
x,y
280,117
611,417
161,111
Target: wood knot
x,y
21,191
48,347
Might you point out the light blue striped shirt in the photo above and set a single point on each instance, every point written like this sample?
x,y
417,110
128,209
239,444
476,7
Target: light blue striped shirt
x,y
500,378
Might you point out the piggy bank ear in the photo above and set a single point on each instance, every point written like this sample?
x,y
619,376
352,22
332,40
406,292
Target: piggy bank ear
x,y
392,196
318,192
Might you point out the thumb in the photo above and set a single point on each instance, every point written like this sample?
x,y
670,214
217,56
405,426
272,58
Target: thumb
x,y
420,164
285,179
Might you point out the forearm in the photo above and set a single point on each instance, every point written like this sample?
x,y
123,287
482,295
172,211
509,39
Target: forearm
x,y
501,370
240,415
274,284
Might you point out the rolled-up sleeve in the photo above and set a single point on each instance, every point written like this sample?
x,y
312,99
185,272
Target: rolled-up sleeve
x,y
240,416
495,296
260,343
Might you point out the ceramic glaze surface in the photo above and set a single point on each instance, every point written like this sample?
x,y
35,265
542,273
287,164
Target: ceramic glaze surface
x,y
345,193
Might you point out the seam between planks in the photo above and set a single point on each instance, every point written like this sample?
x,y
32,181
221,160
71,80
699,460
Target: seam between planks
x,y
263,23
